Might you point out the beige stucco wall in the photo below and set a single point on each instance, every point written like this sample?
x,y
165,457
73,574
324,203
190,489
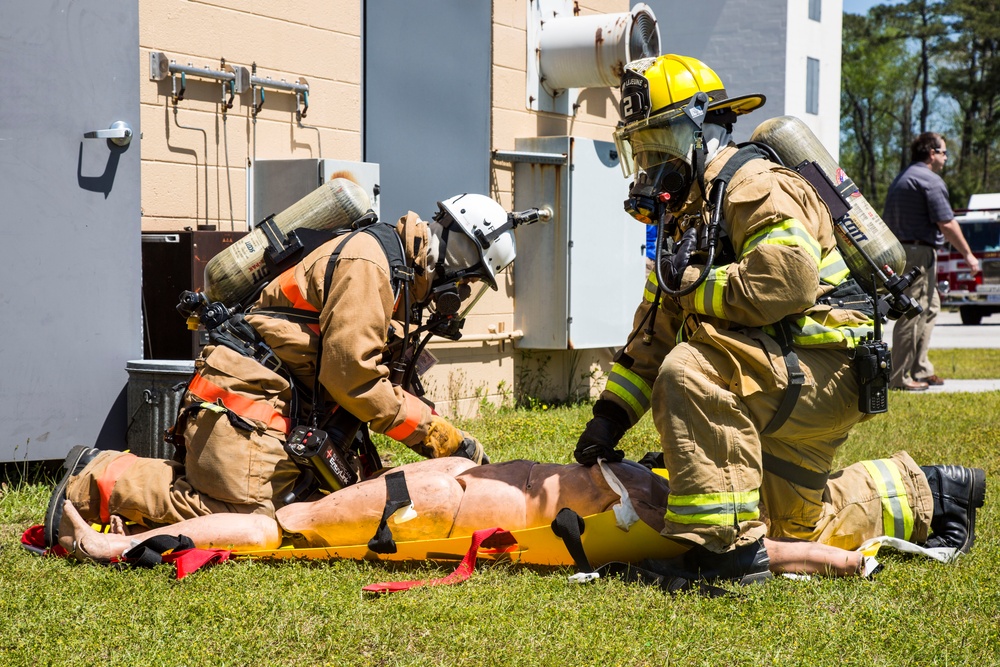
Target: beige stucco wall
x,y
194,155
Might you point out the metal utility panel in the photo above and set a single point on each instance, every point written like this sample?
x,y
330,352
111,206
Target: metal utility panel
x,y
579,277
274,185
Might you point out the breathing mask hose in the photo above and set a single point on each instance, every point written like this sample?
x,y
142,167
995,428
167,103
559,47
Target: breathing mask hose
x,y
411,367
408,370
711,237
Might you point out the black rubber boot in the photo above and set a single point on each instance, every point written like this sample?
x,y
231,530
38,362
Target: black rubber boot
x,y
746,565
957,493
75,462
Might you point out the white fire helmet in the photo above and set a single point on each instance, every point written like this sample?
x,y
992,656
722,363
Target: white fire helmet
x,y
484,222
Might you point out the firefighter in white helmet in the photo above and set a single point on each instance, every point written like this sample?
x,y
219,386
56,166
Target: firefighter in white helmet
x,y
743,347
333,325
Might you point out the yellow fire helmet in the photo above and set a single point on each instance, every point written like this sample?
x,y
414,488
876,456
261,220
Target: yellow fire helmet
x,y
655,93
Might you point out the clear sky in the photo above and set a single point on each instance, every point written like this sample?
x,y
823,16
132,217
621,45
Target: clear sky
x,y
862,6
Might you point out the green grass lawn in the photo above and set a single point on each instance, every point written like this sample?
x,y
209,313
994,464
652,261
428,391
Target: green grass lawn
x,y
916,612
962,364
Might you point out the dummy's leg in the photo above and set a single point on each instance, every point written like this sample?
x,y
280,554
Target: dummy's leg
x,y
811,558
349,516
215,531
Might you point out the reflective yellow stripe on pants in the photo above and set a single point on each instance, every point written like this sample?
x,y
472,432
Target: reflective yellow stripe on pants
x,y
897,516
714,509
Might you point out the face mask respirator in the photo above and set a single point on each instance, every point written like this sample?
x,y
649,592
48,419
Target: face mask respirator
x,y
649,196
447,298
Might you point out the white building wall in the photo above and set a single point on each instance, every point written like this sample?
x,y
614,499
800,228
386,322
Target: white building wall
x,y
821,40
761,46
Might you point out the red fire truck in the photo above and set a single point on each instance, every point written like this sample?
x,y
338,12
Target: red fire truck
x,y
979,296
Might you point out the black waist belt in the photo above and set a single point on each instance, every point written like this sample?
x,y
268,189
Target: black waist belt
x,y
919,242
794,473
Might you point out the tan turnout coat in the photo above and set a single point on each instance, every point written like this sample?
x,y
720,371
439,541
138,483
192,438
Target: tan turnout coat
x,y
231,469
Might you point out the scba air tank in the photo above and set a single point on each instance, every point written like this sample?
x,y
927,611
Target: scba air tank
x,y
234,274
795,143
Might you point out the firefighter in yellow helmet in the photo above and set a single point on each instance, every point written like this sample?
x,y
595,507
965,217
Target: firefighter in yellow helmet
x,y
743,346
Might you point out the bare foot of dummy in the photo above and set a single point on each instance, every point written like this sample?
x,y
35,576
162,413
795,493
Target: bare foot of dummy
x,y
86,544
116,525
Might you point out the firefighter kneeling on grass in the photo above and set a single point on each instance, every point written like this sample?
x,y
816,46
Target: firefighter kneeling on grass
x,y
331,321
746,346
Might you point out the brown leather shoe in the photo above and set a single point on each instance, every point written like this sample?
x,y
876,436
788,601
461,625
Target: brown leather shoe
x,y
912,385
932,380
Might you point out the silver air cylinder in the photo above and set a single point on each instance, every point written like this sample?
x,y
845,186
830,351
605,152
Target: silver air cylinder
x,y
795,143
234,274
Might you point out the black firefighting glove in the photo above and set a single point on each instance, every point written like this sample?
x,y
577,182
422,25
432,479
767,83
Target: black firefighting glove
x,y
602,433
673,266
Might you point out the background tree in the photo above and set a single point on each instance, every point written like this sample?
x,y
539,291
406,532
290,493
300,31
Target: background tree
x,y
968,73
878,86
916,66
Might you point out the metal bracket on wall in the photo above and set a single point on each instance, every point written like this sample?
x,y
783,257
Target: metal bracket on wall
x,y
235,78
301,90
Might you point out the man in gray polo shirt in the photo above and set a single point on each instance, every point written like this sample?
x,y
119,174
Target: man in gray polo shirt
x,y
918,213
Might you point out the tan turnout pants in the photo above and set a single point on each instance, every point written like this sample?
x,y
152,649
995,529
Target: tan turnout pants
x,y
226,468
712,398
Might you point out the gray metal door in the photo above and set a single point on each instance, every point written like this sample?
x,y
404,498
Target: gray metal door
x,y
426,84
70,230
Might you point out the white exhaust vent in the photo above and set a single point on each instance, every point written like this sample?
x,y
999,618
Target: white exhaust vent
x,y
568,52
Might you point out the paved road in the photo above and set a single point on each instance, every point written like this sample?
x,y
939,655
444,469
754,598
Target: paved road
x,y
950,333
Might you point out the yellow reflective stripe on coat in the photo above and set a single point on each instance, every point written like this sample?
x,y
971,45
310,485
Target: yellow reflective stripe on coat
x,y
651,285
708,295
631,388
833,269
787,232
897,516
714,509
808,332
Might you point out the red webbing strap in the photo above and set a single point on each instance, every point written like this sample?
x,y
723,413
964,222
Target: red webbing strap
x,y
461,573
286,281
192,560
33,539
179,550
247,408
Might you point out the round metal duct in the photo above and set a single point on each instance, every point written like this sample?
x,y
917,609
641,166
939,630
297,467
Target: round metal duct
x,y
591,51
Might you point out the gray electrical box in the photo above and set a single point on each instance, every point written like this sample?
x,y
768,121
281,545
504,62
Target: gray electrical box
x,y
579,277
274,185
